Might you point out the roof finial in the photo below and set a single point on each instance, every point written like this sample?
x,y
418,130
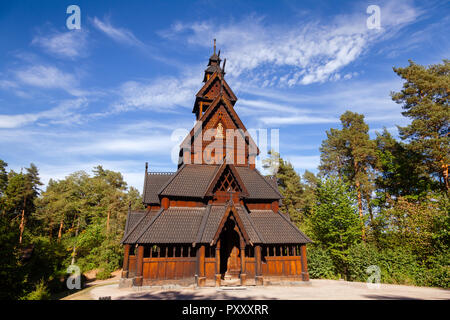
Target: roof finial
x,y
214,46
223,66
146,167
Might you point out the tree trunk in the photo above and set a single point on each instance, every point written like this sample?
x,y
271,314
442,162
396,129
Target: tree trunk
x,y
50,228
445,175
22,220
107,221
75,244
60,229
361,216
370,209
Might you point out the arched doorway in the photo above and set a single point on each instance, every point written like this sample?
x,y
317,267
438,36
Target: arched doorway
x,y
230,263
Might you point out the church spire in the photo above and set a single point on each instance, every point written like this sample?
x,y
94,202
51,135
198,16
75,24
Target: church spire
x,y
213,64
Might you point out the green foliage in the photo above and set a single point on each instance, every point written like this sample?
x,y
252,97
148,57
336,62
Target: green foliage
x,y
335,222
41,292
400,170
437,273
424,97
11,277
397,265
3,177
299,197
320,263
80,214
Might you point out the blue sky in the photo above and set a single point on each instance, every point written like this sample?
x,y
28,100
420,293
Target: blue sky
x,y
113,92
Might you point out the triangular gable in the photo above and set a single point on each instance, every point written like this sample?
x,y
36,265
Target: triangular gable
x,y
231,210
214,105
211,80
220,173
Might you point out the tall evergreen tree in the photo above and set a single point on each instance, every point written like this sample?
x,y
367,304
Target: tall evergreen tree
x,y
350,154
400,169
424,98
3,177
289,185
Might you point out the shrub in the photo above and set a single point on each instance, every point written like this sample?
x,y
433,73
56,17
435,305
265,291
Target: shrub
x,y
397,266
40,292
320,264
104,273
438,272
360,257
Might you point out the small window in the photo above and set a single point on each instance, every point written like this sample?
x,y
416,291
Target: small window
x,y
147,249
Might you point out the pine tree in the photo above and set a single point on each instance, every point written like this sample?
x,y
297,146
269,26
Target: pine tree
x,y
400,171
289,185
424,98
350,154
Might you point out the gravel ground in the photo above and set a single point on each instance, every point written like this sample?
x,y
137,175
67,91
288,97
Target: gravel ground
x,y
315,290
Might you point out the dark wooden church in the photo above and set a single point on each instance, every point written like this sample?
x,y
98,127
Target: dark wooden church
x,y
215,221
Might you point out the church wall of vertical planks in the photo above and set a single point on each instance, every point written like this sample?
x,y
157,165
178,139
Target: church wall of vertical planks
x,y
215,221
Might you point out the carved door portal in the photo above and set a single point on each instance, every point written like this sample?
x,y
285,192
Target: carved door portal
x,y
230,263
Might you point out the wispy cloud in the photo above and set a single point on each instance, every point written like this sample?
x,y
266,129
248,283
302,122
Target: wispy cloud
x,y
157,144
163,94
120,35
49,77
71,44
288,55
297,120
65,112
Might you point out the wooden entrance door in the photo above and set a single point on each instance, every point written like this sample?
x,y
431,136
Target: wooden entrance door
x,y
230,262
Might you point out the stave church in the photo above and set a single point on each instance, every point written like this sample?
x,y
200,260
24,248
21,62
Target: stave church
x,y
215,221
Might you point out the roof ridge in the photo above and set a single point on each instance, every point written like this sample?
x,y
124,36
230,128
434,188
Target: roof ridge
x,y
294,226
191,208
160,172
150,223
202,227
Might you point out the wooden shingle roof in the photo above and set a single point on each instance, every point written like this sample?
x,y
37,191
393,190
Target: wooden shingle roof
x,y
201,224
257,186
193,181
153,182
132,236
190,181
276,227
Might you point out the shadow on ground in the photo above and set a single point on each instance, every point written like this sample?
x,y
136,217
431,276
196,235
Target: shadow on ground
x,y
384,297
175,295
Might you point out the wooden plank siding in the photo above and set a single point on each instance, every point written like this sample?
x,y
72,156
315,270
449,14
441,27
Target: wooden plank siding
x,y
169,268
282,266
210,268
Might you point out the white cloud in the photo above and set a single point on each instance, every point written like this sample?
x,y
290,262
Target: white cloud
x,y
49,77
160,95
120,35
131,144
63,113
290,120
297,53
71,44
